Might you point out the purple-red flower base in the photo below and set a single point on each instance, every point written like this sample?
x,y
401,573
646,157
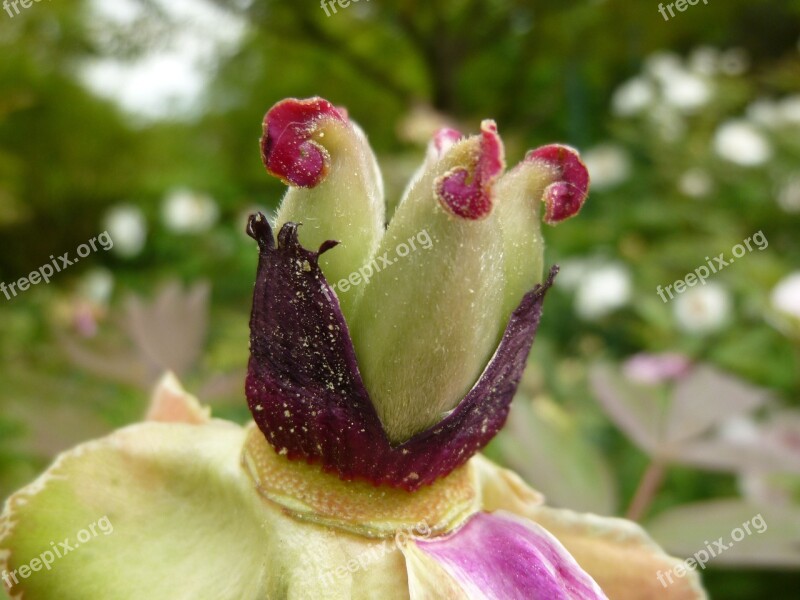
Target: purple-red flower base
x,y
306,394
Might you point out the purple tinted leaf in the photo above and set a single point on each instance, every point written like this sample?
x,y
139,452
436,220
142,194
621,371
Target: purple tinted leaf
x,y
768,536
653,369
706,398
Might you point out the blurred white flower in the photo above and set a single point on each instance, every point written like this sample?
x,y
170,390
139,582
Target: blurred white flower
x,y
740,429
572,271
703,309
126,225
420,124
790,109
97,285
669,122
741,143
185,211
663,66
734,61
764,112
88,307
778,483
696,183
602,290
775,489
789,195
769,113
632,97
785,296
608,165
686,91
705,61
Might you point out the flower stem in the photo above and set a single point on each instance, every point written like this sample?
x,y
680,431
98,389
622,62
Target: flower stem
x,y
646,492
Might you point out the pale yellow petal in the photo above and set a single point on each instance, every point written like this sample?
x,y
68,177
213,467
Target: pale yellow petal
x,y
427,579
501,488
172,404
617,553
168,512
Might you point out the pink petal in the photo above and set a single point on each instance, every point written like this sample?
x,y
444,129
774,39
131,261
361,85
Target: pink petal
x,y
502,556
653,369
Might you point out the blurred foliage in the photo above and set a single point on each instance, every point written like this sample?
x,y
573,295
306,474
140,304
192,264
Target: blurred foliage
x,y
545,70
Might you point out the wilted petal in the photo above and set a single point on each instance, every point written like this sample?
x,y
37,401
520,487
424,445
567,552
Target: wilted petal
x,y
175,515
172,404
619,555
502,487
498,556
169,503
616,553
